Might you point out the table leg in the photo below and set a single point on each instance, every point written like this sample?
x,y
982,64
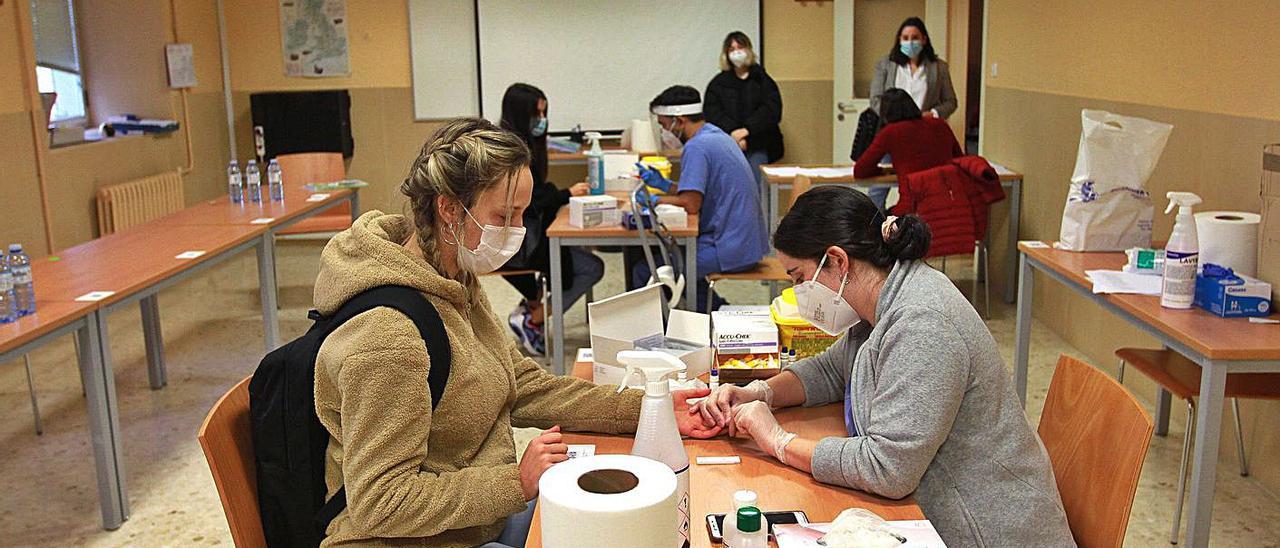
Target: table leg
x,y
691,274
774,215
267,290
1213,384
152,335
555,320
1163,401
104,423
1011,263
1022,329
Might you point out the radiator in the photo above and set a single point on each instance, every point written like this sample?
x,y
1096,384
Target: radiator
x,y
123,205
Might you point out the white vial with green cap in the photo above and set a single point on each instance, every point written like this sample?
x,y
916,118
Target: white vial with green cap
x,y
751,530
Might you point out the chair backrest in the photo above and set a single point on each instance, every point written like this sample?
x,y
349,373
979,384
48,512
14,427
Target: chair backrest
x,y
1097,435
312,167
228,446
800,185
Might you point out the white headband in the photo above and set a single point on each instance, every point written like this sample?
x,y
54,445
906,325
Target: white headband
x,y
678,110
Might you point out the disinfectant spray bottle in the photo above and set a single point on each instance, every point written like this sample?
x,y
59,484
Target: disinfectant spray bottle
x,y
595,163
657,435
1182,254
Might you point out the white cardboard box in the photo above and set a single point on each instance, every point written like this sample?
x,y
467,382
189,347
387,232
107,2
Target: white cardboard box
x,y
633,320
1269,230
747,330
595,210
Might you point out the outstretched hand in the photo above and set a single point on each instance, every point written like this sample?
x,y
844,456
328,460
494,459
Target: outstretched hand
x,y
690,422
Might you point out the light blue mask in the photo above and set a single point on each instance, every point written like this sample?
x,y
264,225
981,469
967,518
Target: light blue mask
x,y
911,48
540,127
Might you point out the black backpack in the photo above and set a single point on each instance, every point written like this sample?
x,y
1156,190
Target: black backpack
x,y
288,440
868,126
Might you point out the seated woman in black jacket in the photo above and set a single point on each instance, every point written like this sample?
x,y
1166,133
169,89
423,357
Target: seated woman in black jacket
x,y
524,112
743,101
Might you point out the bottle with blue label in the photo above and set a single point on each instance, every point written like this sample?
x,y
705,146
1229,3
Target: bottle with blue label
x,y
595,163
235,184
275,181
24,290
1181,254
253,182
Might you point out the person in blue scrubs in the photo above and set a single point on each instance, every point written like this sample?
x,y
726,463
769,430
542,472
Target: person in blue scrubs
x,y
716,183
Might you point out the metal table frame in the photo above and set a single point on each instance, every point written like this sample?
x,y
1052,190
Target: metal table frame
x,y
555,320
1013,186
1213,383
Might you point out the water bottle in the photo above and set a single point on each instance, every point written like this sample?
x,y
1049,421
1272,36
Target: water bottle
x,y
253,182
24,290
752,531
235,185
275,181
8,312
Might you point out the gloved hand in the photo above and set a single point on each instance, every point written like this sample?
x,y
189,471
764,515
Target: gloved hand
x,y
653,178
756,420
716,408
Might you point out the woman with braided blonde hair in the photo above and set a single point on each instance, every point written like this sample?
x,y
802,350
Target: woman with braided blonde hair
x,y
446,476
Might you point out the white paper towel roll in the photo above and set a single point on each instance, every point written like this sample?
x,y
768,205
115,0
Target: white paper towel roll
x,y
1230,239
619,501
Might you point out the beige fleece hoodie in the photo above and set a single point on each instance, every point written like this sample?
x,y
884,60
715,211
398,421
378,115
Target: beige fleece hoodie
x,y
415,476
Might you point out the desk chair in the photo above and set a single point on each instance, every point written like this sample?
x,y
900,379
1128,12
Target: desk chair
x,y
546,308
316,167
1181,377
1096,435
768,270
227,442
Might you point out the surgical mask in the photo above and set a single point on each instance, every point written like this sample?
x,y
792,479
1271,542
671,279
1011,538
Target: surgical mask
x,y
539,127
498,244
739,57
824,307
911,48
670,139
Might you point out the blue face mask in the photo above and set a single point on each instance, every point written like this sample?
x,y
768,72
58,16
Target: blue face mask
x,y
911,48
539,127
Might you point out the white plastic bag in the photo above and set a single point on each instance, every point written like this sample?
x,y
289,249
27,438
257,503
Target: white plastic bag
x,y
1106,209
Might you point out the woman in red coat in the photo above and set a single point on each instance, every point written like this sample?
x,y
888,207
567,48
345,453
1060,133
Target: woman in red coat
x,y
914,142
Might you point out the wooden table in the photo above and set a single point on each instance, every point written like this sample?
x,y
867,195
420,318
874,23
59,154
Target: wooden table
x,y
1218,345
561,235
780,487
136,264
1010,180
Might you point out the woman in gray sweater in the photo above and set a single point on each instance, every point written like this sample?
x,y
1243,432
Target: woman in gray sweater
x,y
928,404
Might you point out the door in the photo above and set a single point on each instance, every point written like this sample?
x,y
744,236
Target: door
x,y
859,42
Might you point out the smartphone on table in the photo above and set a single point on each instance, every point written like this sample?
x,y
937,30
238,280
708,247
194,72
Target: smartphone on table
x,y
715,522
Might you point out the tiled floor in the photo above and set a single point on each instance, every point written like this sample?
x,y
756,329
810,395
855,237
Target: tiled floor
x,y
214,338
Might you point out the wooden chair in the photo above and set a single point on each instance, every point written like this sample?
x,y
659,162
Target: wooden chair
x,y
228,446
1181,377
1097,435
768,270
316,167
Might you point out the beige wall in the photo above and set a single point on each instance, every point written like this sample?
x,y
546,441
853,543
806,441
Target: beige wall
x,y
1217,104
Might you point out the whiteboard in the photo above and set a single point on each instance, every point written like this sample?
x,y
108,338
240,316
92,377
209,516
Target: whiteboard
x,y
600,63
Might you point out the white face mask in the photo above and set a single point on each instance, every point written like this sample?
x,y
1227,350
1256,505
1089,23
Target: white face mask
x,y
670,140
739,57
824,307
497,245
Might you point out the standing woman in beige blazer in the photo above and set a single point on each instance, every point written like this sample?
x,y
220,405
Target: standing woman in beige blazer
x,y
912,65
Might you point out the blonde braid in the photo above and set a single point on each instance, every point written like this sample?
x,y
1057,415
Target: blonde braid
x,y
459,161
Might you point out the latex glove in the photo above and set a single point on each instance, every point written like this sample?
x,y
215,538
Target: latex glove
x,y
715,409
688,420
754,419
653,178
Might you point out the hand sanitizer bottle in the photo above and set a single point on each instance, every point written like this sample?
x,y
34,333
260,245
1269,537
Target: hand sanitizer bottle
x,y
657,434
1182,254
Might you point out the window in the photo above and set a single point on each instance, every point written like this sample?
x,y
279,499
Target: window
x,y
58,60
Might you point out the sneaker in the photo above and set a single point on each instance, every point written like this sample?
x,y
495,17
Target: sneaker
x,y
516,320
529,335
536,336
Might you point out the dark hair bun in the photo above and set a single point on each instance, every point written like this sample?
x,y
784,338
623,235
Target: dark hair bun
x,y
910,240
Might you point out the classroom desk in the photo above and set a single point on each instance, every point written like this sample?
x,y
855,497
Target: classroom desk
x,y
58,315
562,235
1011,181
273,217
781,487
1218,345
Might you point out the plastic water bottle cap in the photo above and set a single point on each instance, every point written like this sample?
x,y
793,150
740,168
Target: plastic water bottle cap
x,y
15,248
749,519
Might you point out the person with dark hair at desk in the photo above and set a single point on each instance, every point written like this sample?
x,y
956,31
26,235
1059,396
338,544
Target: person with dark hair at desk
x,y
915,143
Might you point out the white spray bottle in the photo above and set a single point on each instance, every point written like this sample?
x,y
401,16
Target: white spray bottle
x,y
657,434
595,163
1182,254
